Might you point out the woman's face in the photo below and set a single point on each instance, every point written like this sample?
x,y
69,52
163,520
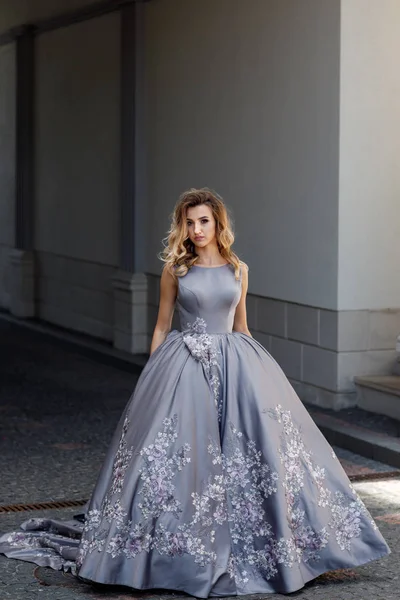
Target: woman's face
x,y
200,225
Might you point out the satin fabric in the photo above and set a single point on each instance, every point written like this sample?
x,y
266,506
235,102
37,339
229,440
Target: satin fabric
x,y
216,482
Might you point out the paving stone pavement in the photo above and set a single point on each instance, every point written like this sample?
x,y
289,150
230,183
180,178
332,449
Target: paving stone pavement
x,y
58,411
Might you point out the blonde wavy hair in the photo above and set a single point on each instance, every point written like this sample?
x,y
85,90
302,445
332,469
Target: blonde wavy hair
x,y
179,253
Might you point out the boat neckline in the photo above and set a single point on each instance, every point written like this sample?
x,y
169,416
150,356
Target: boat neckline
x,y
215,267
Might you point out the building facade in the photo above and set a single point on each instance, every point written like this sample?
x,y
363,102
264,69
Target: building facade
x,y
288,108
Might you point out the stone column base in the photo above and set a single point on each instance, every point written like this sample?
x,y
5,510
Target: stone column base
x,y
396,370
318,396
130,312
22,283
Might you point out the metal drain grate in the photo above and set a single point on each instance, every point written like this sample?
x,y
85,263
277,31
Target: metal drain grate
x,y
11,508
374,476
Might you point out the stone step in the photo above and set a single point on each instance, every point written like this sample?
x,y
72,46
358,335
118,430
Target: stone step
x,y
364,441
379,394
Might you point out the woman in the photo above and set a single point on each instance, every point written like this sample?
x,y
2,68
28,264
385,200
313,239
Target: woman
x,y
217,482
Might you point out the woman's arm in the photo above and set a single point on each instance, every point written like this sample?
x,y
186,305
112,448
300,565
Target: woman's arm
x,y
240,320
168,291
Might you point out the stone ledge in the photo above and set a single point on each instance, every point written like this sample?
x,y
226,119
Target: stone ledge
x,y
379,394
383,383
365,442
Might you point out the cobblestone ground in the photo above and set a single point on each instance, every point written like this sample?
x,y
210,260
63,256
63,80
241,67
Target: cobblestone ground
x,y
58,411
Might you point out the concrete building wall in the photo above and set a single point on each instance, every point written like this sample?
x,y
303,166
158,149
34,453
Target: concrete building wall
x,y
7,165
368,320
255,113
78,172
20,12
369,209
246,101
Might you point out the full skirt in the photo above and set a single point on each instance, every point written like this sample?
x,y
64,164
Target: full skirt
x,y
216,483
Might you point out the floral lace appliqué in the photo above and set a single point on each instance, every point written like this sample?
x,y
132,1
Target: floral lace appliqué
x,y
202,346
159,471
160,466
245,485
346,511
235,496
121,461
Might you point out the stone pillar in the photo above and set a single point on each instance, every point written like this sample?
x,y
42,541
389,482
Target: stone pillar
x,y
130,312
22,262
130,282
22,292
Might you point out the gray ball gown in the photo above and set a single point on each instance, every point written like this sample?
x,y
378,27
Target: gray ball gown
x,y
216,482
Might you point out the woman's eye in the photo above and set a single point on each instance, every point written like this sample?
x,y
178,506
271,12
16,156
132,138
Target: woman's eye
x,y
205,221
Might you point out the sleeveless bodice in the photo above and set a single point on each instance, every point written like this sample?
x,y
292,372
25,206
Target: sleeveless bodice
x,y
208,295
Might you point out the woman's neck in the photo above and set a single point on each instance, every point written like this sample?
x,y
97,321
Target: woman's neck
x,y
209,257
